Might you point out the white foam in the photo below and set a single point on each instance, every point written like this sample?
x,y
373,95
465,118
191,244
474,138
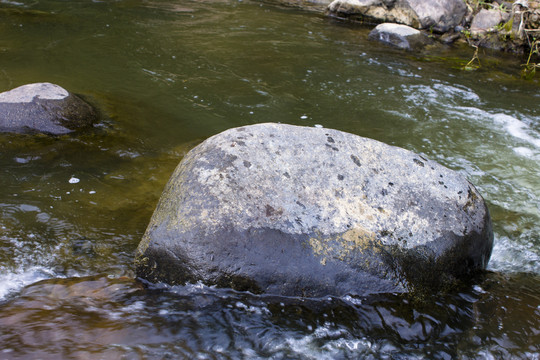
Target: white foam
x,y
253,309
27,93
14,281
336,343
439,94
518,129
523,151
451,99
510,125
511,256
453,92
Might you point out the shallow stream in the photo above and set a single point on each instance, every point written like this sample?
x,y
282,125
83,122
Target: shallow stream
x,y
168,74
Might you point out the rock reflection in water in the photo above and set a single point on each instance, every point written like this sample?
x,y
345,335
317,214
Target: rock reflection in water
x,y
99,317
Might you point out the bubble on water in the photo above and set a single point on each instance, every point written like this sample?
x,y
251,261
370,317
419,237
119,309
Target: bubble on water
x,y
73,180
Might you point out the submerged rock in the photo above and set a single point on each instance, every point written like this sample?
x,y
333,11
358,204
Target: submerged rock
x,y
289,210
401,36
43,107
437,15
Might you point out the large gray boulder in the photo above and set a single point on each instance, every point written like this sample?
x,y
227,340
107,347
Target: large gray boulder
x,y
289,210
437,15
45,108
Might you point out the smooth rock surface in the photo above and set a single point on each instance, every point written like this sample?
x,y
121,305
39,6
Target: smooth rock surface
x,y
289,210
400,36
43,107
437,15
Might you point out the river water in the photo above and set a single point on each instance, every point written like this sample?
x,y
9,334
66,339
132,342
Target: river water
x,y
168,74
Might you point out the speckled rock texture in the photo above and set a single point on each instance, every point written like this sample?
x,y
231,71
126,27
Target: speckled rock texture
x,y
43,108
301,211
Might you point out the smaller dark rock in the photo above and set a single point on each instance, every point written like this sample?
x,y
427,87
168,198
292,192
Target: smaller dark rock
x,y
45,108
400,36
450,37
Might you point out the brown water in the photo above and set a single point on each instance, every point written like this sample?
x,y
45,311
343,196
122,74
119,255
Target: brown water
x,y
168,74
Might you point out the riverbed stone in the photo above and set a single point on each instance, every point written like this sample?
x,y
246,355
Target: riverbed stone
x,y
400,36
436,15
302,211
44,108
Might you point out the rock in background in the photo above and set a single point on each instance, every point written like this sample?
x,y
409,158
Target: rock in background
x,y
300,211
43,108
400,36
436,15
510,26
506,26
487,20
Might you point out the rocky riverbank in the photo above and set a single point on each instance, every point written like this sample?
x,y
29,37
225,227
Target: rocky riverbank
x,y
510,26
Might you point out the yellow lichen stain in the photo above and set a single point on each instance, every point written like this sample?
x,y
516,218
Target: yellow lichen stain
x,y
356,239
343,245
320,248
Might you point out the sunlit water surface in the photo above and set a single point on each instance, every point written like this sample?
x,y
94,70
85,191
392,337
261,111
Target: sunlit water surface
x,y
168,74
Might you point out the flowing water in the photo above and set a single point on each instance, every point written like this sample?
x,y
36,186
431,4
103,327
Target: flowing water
x,y
168,74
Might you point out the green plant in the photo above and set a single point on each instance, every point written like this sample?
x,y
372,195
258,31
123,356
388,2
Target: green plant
x,y
507,26
529,69
471,65
499,27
